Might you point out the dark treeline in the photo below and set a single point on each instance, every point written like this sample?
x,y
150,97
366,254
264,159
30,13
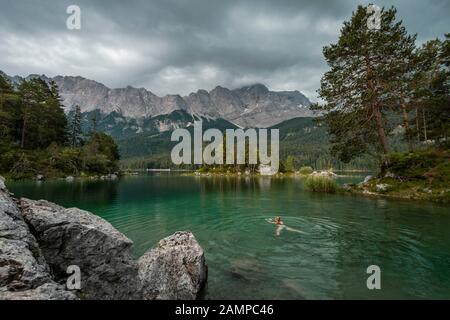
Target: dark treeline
x,y
36,138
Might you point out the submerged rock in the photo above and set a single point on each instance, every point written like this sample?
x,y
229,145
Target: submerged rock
x,y
174,269
76,237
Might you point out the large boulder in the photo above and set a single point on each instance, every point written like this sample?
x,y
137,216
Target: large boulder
x,y
39,240
174,269
23,269
76,237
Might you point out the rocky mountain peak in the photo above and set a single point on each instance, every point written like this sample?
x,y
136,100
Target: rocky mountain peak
x,y
250,106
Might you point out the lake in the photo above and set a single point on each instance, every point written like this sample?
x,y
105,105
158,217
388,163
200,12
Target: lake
x,y
341,235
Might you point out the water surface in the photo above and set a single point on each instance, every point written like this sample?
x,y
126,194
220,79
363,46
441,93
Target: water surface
x,y
342,235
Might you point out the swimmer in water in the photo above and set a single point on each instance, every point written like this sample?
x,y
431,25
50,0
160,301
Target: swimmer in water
x,y
280,225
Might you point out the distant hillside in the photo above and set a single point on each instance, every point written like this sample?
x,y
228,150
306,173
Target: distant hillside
x,y
299,137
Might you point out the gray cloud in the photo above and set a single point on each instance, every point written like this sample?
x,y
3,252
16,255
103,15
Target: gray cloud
x,y
179,46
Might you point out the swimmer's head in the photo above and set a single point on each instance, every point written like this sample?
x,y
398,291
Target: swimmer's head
x,y
277,219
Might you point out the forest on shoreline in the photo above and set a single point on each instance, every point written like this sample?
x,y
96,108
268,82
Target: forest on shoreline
x,y
37,139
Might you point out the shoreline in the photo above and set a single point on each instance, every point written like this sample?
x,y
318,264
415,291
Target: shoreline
x,y
361,189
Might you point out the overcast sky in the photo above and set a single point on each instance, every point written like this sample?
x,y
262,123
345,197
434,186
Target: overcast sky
x,y
170,46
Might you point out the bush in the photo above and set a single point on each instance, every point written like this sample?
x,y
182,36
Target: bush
x,y
99,164
412,164
306,170
321,184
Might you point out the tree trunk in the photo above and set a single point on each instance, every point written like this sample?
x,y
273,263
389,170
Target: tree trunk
x,y
22,140
406,126
424,125
417,125
380,130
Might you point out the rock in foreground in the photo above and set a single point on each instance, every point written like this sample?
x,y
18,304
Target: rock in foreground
x,y
174,269
39,240
76,237
24,273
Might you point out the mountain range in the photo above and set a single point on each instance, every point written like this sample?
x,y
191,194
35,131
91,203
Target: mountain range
x,y
141,122
249,106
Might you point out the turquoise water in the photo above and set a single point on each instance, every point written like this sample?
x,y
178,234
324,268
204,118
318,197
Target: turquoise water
x,y
342,235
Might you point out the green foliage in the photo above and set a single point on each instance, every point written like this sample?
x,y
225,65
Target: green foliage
x,y
321,184
75,128
422,174
289,165
366,68
306,170
33,137
432,165
42,119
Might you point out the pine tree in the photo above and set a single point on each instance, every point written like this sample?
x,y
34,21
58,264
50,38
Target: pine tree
x,y
75,128
8,110
42,117
430,88
366,67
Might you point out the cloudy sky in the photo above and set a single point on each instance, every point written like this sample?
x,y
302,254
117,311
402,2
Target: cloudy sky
x,y
179,46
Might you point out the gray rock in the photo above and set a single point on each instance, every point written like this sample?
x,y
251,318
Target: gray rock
x,y
40,177
382,187
367,179
76,237
70,179
23,269
390,175
174,269
47,291
33,263
2,183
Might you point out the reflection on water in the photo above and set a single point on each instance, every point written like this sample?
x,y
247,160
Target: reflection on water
x,y
342,235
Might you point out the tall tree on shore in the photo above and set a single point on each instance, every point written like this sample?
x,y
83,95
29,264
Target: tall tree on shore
x,y
366,67
42,118
75,130
431,90
8,110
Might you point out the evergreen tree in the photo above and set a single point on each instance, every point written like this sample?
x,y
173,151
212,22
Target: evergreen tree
x,y
8,110
431,94
42,117
75,128
366,67
289,167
